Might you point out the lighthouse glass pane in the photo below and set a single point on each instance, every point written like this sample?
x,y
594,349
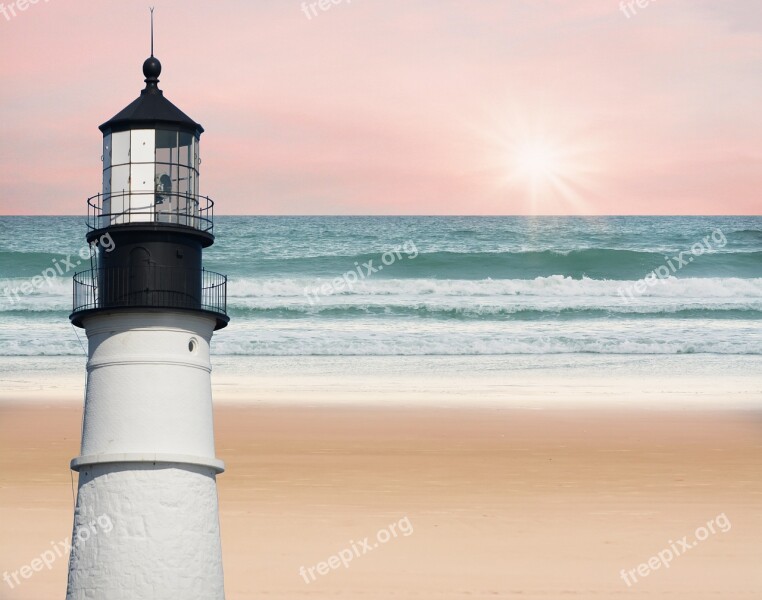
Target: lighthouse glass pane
x,y
182,197
120,179
163,155
142,194
142,177
105,219
120,151
106,151
193,200
164,184
143,145
183,181
120,184
106,182
166,146
185,149
166,190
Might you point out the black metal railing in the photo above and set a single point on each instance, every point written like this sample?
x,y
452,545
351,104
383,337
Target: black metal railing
x,y
150,287
171,208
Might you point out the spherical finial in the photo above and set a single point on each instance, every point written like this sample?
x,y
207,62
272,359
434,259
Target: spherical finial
x,y
152,68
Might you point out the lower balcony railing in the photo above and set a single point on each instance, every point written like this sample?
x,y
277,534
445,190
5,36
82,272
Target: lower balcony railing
x,y
150,287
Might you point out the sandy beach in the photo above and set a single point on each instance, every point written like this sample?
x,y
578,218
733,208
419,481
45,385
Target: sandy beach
x,y
483,502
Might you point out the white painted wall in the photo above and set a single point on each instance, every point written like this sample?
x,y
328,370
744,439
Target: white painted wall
x,y
164,538
146,392
147,461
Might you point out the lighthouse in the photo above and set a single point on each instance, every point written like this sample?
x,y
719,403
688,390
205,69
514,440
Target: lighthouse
x,y
147,462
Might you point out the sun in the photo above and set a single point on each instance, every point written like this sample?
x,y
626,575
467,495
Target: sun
x,y
544,167
538,160
549,166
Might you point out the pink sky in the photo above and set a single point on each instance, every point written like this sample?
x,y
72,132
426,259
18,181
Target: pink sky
x,y
401,106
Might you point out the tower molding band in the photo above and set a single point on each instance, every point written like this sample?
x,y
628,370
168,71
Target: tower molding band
x,y
148,360
147,457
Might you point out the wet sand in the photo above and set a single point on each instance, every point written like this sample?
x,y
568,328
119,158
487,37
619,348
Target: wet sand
x,y
488,502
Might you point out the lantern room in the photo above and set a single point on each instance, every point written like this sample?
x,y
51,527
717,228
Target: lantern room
x,y
151,163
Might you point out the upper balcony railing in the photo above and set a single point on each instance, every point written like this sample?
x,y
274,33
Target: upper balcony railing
x,y
170,208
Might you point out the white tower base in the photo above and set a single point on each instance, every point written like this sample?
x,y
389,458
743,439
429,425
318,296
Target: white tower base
x,y
160,540
147,472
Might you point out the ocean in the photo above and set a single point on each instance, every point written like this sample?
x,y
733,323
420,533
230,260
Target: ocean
x,y
464,286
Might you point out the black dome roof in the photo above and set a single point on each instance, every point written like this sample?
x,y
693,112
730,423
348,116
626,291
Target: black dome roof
x,y
151,109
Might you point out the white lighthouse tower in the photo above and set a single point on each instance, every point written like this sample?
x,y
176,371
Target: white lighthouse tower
x,y
147,463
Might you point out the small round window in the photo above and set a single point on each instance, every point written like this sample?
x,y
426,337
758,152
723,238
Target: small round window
x,y
193,345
